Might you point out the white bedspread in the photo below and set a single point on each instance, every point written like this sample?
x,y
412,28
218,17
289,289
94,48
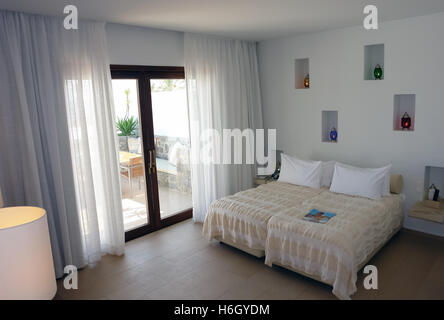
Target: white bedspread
x,y
243,217
332,251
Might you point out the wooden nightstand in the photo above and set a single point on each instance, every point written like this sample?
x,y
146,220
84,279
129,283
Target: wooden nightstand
x,y
423,210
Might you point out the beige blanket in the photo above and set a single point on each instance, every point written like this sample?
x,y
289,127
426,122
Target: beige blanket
x,y
243,217
332,251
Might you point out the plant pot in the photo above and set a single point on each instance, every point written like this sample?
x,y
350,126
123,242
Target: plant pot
x,y
133,144
123,143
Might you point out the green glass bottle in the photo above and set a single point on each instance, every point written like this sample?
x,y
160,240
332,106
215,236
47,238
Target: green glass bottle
x,y
378,72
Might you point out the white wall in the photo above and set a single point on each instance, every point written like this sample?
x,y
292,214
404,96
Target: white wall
x,y
414,63
144,46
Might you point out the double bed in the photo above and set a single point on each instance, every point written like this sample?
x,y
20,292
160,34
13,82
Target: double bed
x,y
241,220
268,220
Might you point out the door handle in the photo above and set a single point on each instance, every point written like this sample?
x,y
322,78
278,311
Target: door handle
x,y
151,162
152,167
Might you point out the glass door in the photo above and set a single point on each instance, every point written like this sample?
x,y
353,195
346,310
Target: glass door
x,y
172,145
154,146
131,154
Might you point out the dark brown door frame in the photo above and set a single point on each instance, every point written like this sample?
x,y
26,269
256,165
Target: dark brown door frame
x,y
144,74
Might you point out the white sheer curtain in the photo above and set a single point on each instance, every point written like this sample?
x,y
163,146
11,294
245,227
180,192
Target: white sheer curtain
x,y
57,129
91,122
223,93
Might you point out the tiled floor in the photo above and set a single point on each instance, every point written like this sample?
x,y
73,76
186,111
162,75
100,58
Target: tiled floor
x,y
177,263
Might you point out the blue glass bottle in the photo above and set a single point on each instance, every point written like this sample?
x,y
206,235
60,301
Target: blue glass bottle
x,y
333,135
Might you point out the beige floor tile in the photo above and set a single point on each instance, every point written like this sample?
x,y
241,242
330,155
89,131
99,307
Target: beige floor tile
x,y
432,287
245,290
177,263
138,289
213,287
173,291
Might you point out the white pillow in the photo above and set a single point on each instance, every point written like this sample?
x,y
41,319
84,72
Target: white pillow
x,y
300,172
386,185
363,182
328,168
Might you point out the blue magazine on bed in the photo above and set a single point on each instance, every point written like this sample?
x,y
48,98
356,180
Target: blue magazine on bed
x,y
318,216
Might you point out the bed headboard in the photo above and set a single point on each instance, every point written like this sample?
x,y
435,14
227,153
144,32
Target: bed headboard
x,y
396,183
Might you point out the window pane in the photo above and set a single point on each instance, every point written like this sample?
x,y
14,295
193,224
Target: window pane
x,y
132,171
172,144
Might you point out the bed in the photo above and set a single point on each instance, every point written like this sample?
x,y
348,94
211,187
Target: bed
x,y
268,221
241,220
333,253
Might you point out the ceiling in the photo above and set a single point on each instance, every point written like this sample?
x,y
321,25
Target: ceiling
x,y
243,19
